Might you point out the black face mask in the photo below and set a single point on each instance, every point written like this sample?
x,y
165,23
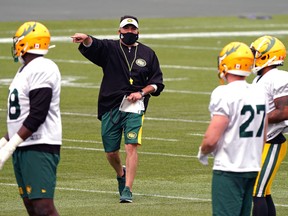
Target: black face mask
x,y
129,38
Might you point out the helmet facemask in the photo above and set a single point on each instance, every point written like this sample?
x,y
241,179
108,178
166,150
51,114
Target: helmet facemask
x,y
222,70
15,54
267,51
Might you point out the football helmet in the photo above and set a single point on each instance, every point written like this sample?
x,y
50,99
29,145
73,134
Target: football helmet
x,y
31,37
267,51
235,58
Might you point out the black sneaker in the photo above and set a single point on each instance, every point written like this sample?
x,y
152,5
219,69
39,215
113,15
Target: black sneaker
x,y
122,181
126,196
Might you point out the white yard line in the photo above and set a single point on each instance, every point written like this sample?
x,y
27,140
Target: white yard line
x,y
174,35
137,194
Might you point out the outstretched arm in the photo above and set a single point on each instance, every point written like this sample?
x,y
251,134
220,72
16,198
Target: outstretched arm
x,y
82,38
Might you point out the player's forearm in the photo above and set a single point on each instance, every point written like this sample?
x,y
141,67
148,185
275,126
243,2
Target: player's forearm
x,y
208,145
24,132
205,149
278,115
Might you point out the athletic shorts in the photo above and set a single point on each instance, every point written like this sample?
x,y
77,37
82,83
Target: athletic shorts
x,y
273,154
35,173
232,193
116,122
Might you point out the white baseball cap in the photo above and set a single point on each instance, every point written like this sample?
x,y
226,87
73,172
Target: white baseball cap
x,y
128,21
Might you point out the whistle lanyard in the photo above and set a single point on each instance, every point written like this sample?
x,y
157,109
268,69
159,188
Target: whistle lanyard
x,y
130,66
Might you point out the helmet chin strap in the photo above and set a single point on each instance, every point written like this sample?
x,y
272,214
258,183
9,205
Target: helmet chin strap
x,y
222,77
21,60
268,63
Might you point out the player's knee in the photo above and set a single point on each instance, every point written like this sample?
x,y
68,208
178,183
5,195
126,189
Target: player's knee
x,y
44,208
112,155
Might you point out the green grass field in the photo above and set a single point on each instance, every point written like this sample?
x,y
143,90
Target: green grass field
x,y
170,180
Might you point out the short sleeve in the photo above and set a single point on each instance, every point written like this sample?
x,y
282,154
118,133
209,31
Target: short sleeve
x,y
44,76
218,103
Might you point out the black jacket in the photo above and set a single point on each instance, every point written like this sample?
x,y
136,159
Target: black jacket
x,y
109,55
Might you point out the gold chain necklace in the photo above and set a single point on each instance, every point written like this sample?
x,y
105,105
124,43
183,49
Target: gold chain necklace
x,y
127,62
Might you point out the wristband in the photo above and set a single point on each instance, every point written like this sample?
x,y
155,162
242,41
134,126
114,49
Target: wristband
x,y
15,141
3,142
9,148
203,158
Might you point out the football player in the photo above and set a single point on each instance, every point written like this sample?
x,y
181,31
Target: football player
x,y
269,53
33,120
235,134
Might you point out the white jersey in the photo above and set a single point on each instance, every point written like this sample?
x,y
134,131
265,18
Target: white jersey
x,y
39,73
240,147
275,83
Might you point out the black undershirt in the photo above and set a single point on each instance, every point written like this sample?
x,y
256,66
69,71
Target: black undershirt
x,y
40,100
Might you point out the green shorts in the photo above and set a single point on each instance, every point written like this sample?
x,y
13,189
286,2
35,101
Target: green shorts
x,y
35,173
232,193
116,122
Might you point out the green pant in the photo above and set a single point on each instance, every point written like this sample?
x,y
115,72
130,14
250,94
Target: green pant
x,y
232,193
35,173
